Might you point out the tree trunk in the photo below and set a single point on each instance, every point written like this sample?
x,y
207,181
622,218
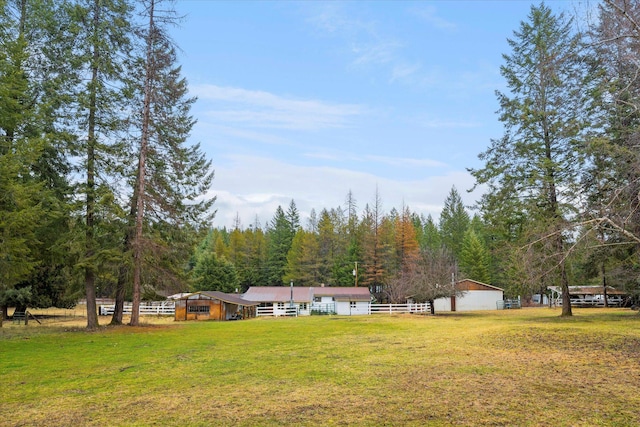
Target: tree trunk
x,y
604,286
144,143
118,308
431,307
90,291
566,298
123,273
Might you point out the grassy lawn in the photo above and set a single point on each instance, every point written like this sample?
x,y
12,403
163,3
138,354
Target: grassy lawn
x,y
521,367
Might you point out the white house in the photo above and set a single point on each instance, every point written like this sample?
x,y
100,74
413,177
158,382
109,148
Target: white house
x,y
346,301
475,296
305,300
282,299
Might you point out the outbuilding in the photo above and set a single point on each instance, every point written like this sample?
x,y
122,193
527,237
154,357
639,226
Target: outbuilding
x,y
349,301
303,301
281,300
472,296
214,305
588,296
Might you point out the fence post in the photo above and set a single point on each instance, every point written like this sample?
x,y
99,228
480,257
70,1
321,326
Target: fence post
x,y
1,317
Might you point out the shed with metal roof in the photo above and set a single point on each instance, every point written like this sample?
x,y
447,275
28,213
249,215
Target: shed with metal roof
x,y
214,305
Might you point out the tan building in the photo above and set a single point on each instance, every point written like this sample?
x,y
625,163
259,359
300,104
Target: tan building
x,y
214,305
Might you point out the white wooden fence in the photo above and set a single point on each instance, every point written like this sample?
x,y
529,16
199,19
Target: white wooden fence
x,y
373,309
276,312
399,308
160,308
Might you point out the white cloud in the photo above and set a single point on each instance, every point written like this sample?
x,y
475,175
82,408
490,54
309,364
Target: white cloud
x,y
402,72
406,162
254,186
374,53
430,15
260,109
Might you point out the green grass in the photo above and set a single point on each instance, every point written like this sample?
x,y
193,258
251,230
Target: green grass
x,y
521,367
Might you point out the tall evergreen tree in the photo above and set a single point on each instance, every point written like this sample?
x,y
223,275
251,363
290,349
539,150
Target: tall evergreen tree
x,y
532,171
212,272
31,134
171,176
255,272
375,252
101,31
406,244
302,259
431,239
474,258
280,237
612,179
454,221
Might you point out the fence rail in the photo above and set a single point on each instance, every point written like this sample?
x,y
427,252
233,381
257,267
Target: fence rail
x,y
277,312
330,309
164,308
400,308
508,304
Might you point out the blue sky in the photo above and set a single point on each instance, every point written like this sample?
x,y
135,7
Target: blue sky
x,y
308,100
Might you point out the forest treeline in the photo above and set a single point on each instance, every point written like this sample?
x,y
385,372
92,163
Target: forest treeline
x,y
561,190
103,194
100,190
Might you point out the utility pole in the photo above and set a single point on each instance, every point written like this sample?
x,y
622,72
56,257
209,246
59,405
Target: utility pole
x,y
291,301
355,273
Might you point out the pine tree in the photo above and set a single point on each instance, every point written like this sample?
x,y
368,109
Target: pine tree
x,y
101,32
375,252
474,258
280,237
532,171
255,270
406,244
612,179
212,272
431,239
454,221
171,175
33,166
302,258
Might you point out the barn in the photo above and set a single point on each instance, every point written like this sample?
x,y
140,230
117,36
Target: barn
x,y
473,295
213,305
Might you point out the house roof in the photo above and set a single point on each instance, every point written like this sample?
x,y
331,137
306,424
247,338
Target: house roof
x,y
478,285
306,294
343,293
588,290
230,298
278,294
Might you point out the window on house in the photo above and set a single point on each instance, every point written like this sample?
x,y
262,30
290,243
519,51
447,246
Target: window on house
x,y
303,306
352,304
198,309
280,306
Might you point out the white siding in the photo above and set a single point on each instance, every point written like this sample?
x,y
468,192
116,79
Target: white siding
x,y
442,304
478,300
345,308
471,301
